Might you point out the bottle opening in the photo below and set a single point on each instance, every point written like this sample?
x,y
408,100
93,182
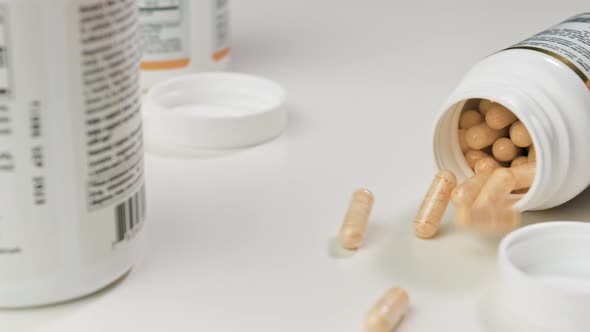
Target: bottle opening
x,y
475,129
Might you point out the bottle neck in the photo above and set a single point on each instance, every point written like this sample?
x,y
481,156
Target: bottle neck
x,y
549,133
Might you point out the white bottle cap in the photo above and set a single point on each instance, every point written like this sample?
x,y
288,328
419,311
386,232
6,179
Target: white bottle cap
x,y
545,276
215,110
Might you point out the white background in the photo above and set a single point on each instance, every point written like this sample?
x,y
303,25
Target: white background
x,y
245,241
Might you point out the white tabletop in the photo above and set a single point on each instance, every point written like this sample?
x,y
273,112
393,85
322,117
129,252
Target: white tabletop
x,y
245,241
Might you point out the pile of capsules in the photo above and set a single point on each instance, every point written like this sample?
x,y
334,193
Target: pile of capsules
x,y
493,142
493,137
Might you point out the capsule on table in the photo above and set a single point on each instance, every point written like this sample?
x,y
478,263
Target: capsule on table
x,y
520,135
388,311
481,136
519,161
499,117
473,156
504,150
356,220
486,166
524,175
434,205
469,119
532,154
484,106
496,190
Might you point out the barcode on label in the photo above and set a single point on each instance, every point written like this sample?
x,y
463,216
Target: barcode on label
x,y
129,215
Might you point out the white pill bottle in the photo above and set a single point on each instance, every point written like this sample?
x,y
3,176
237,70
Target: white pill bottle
x,y
71,151
544,80
182,36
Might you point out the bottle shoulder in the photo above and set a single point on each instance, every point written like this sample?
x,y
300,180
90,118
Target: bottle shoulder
x,y
524,63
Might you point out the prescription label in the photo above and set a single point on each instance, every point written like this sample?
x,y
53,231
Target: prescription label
x,y
569,42
164,31
220,29
113,168
114,142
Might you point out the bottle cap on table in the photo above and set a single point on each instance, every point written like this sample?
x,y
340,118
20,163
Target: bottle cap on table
x,y
217,110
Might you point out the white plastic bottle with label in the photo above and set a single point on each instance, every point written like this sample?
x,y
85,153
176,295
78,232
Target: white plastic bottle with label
x,y
182,36
72,199
544,80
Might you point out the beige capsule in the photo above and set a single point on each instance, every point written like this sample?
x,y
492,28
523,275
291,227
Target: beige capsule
x,y
462,142
434,205
512,199
524,175
496,190
519,161
504,150
473,156
532,154
520,135
499,117
387,313
501,219
520,191
481,136
356,220
492,209
484,106
486,166
464,195
463,216
507,219
469,119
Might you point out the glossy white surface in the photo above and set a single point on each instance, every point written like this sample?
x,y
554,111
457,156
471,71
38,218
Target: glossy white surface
x,y
245,241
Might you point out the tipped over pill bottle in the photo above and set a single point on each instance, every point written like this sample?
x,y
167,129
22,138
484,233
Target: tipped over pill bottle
x,y
72,197
544,81
182,36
